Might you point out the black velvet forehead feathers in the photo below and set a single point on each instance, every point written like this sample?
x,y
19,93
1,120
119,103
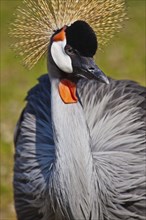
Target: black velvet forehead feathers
x,y
81,37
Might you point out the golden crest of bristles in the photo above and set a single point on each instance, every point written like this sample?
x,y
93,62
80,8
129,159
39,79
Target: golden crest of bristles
x,y
36,20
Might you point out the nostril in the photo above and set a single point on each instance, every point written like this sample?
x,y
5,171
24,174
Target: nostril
x,y
91,69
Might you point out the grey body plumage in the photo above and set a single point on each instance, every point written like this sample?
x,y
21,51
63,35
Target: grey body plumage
x,y
105,178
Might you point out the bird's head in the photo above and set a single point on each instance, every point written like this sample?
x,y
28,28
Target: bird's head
x,y
72,49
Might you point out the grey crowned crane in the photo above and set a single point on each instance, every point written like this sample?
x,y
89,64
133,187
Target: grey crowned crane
x,y
80,141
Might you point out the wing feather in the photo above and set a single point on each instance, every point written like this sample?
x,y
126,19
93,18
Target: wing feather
x,y
34,155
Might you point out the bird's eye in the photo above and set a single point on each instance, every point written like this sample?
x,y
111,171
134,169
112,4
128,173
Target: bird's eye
x,y
69,50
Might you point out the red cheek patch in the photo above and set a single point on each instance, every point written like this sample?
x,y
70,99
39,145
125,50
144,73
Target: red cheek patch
x,y
67,91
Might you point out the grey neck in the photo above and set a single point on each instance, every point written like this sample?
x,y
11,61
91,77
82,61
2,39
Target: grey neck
x,y
73,167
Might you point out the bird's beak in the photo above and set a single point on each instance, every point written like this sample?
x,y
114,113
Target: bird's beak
x,y
85,67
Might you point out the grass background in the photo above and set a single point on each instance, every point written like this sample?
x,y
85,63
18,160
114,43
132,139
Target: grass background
x,y
124,58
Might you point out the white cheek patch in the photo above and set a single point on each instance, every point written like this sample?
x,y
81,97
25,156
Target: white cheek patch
x,y
61,59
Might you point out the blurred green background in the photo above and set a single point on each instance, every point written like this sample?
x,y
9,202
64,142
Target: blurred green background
x,y
124,58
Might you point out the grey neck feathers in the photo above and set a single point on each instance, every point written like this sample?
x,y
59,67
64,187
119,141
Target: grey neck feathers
x,y
73,168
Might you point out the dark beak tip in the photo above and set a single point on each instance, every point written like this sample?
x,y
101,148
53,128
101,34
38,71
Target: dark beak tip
x,y
106,81
103,78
